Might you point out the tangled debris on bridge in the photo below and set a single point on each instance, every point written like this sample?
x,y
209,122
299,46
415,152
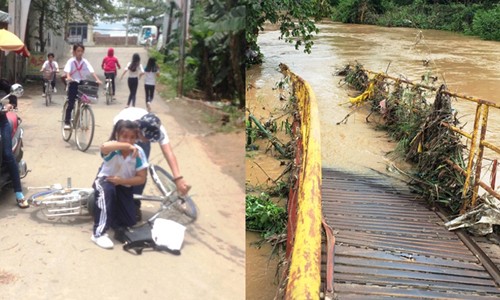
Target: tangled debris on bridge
x,y
419,117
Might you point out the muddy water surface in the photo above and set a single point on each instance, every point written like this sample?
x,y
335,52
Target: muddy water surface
x,y
466,64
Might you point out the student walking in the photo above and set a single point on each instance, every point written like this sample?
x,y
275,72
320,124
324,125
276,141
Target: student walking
x,y
110,65
150,73
125,165
135,70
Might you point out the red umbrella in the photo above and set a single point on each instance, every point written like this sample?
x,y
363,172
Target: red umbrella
x,y
10,42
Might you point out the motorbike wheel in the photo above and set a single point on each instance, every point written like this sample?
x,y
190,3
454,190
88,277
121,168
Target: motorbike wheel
x,y
66,134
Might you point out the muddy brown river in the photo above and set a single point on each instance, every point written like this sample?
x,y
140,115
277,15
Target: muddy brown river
x,y
467,65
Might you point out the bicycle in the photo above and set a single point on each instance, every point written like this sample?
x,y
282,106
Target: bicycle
x,y
47,82
82,116
175,207
164,231
108,91
57,201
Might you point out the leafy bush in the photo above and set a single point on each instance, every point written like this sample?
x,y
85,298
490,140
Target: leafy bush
x,y
486,24
264,216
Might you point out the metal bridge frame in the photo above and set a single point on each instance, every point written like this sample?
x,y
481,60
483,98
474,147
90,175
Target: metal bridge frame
x,y
305,219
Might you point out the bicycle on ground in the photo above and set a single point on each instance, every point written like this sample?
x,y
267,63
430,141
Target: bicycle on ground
x,y
57,200
82,116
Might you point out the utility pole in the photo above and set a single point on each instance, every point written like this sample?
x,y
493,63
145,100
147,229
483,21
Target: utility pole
x,y
182,48
126,25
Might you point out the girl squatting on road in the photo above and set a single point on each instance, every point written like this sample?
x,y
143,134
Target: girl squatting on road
x,y
125,165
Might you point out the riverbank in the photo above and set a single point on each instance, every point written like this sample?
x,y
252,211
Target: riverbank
x,y
479,19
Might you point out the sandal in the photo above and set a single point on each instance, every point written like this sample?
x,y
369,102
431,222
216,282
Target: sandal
x,y
23,203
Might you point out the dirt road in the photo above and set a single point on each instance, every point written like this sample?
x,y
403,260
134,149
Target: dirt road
x,y
44,258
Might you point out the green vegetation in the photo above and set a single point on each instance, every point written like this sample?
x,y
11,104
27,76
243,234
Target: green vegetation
x,y
213,65
264,216
55,15
470,17
295,20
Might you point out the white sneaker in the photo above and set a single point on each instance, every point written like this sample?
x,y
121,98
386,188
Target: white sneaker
x,y
103,241
55,90
43,95
67,127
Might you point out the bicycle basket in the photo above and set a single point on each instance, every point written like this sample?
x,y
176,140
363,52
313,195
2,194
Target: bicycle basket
x,y
48,75
89,88
88,99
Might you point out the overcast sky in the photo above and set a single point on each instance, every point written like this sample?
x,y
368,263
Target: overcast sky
x,y
114,29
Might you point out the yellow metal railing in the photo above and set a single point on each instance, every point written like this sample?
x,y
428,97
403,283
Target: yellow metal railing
x,y
305,216
478,143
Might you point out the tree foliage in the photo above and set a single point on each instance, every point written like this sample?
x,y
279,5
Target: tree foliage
x,y
295,19
55,15
141,12
218,43
486,23
470,17
359,11
214,54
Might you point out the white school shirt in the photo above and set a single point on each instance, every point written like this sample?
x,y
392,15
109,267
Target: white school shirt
x,y
50,67
150,78
135,73
135,113
125,167
78,70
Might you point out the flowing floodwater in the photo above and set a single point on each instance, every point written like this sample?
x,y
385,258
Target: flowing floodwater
x,y
466,64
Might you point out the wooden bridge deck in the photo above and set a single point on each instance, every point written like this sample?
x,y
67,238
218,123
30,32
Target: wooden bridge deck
x,y
389,245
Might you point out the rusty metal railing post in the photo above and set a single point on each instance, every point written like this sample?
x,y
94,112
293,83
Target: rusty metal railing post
x,y
479,160
470,163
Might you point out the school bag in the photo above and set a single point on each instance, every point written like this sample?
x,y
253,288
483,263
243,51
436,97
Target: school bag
x,y
160,234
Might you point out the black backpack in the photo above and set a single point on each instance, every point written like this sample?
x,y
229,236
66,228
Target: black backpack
x,y
139,238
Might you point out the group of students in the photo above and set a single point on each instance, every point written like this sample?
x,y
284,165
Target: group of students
x,y
125,155
77,68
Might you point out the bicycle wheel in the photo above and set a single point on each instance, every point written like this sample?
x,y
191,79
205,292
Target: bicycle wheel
x,y
47,94
165,183
66,133
108,93
63,202
84,130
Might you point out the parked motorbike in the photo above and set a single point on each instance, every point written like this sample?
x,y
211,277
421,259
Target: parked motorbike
x,y
16,90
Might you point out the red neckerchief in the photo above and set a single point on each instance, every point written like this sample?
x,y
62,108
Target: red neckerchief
x,y
78,68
